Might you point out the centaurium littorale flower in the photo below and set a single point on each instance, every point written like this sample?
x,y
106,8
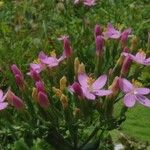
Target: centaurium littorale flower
x,y
111,32
134,94
90,87
140,58
49,60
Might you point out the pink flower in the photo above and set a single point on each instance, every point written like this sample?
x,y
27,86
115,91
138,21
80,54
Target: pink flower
x,y
49,61
3,104
89,2
18,76
91,88
111,32
133,94
140,58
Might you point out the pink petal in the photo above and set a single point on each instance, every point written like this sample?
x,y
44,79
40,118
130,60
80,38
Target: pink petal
x,y
3,105
49,60
82,78
100,82
129,100
103,92
1,95
37,67
125,85
147,62
87,94
143,100
76,88
140,56
142,90
42,55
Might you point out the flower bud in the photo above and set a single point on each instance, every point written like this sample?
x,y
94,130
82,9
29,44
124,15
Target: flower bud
x,y
57,92
76,65
99,45
126,66
134,43
114,87
67,48
34,93
19,81
124,37
18,76
81,68
35,76
43,100
40,86
97,31
15,100
64,101
63,82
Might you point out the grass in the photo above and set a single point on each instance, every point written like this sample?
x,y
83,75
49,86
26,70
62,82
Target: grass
x,y
27,27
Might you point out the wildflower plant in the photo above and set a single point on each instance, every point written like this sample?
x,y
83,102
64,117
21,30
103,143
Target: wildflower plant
x,y
60,97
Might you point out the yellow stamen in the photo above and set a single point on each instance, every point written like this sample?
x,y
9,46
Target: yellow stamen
x,y
136,83
36,61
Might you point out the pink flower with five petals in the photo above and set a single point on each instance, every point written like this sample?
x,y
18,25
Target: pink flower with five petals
x,y
90,88
133,94
140,58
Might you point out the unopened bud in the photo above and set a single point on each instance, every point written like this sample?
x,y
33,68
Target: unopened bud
x,y
34,93
57,92
81,68
99,45
43,100
97,30
126,66
18,76
67,48
63,82
15,100
114,87
134,43
76,65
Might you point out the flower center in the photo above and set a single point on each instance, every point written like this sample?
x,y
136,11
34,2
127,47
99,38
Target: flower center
x,y
90,81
